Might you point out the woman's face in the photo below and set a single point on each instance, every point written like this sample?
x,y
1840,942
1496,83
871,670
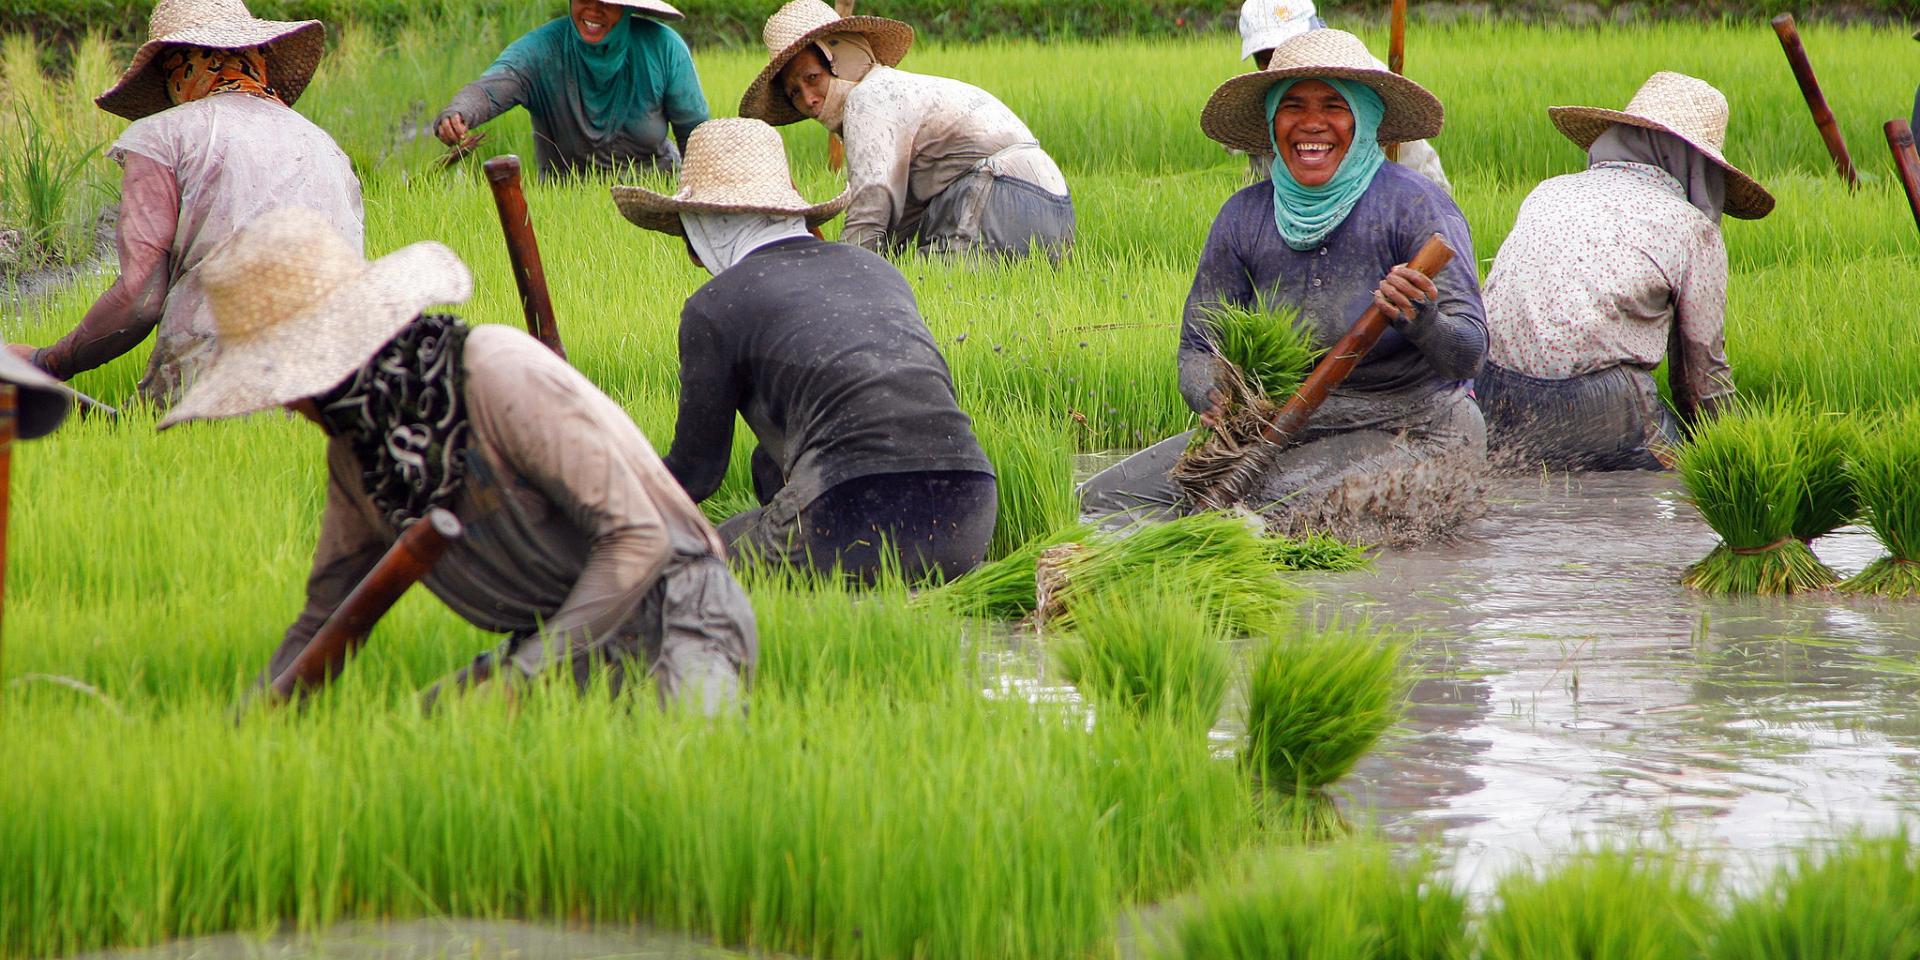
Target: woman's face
x,y
594,19
1313,127
804,80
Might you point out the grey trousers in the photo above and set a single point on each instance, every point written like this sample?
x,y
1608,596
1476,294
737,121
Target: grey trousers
x,y
999,216
1607,420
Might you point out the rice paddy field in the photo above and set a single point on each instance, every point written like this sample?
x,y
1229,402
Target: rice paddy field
x,y
1535,743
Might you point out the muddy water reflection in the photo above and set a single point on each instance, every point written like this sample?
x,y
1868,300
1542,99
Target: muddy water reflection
x,y
1575,691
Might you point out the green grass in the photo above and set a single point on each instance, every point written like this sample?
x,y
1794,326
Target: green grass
x,y
1627,904
1858,901
1883,476
1161,654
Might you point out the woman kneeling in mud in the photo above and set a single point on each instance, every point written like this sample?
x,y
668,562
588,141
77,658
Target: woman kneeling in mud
x,y
1318,239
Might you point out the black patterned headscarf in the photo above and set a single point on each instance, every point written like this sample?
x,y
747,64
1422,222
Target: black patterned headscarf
x,y
404,416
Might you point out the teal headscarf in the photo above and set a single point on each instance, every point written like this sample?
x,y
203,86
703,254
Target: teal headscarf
x,y
1305,214
600,69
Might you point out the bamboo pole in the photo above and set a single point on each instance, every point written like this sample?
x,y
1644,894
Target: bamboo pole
x,y
1906,162
1397,57
523,251
9,429
1816,101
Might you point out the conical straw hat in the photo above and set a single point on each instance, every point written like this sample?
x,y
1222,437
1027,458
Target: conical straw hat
x,y
1686,107
652,8
791,29
218,25
1236,114
296,310
733,165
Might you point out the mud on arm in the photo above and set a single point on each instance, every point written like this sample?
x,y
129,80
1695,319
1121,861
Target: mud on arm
x,y
128,311
1452,331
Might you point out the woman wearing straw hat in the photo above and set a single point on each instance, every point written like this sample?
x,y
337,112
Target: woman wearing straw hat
x,y
1319,238
604,86
1609,271
578,542
213,145
1266,24
933,163
864,454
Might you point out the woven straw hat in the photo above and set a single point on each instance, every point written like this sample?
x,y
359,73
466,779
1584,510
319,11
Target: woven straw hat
x,y
733,165
791,29
42,401
1236,114
652,8
1686,107
1265,24
296,310
217,25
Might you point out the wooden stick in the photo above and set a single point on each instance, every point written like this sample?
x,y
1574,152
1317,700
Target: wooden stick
x,y
1816,101
9,429
1333,368
1906,162
503,173
1397,57
347,629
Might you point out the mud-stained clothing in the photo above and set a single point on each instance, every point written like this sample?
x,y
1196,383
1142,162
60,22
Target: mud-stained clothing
x,y
214,165
911,138
1613,419
590,116
578,543
926,524
821,349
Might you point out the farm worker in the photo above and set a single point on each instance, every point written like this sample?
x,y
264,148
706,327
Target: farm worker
x,y
214,144
578,543
40,403
1609,271
1266,24
863,452
933,163
603,86
1334,220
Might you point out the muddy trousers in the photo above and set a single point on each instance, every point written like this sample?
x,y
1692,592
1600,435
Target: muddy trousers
x,y
998,216
1607,420
928,524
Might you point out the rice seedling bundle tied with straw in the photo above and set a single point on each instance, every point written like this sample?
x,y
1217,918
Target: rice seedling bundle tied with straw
x,y
1751,474
1262,359
1161,654
1884,475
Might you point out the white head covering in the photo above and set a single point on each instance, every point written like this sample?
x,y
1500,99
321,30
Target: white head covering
x,y
721,240
1266,24
1704,181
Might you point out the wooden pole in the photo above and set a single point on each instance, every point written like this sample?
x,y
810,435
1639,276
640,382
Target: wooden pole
x,y
9,429
1906,162
503,174
837,148
1816,101
1397,57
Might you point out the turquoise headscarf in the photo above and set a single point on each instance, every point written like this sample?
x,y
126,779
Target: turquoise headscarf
x,y
1305,214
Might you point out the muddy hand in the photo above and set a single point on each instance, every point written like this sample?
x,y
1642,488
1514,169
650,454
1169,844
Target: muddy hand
x,y
1404,292
452,129
1217,413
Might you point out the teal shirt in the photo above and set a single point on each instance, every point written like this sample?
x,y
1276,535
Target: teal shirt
x,y
594,107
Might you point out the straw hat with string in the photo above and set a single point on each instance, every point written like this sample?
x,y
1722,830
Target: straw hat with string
x,y
296,311
733,165
1236,114
1685,107
217,25
801,23
652,8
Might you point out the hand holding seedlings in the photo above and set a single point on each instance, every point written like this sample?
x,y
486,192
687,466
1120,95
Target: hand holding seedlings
x,y
452,129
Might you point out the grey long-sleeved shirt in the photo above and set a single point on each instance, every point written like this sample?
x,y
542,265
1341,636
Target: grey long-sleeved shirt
x,y
1245,261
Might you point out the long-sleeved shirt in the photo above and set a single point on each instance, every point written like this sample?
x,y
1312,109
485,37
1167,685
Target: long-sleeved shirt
x,y
535,72
1609,266
587,516
910,136
194,174
1246,263
821,348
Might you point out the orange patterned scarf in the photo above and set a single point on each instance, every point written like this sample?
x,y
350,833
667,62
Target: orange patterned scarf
x,y
195,72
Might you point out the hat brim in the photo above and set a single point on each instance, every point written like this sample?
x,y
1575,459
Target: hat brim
x,y
659,212
312,353
1236,114
652,8
298,46
891,40
41,402
1746,198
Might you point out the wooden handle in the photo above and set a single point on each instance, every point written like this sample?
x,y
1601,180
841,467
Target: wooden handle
x,y
9,429
1906,162
1397,57
503,174
1333,368
405,564
1816,101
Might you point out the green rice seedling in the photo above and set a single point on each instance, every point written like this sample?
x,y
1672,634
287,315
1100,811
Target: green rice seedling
x,y
1883,475
1032,458
1318,701
1353,899
1226,557
1266,346
1161,654
825,637
1828,501
1602,905
1316,551
1747,473
1858,901
1005,589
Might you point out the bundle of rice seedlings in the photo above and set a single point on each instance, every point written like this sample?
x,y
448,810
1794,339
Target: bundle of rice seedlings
x,y
1161,654
1828,501
1032,456
1263,357
1889,489
1747,474
1316,551
1859,901
1005,589
1316,704
1601,905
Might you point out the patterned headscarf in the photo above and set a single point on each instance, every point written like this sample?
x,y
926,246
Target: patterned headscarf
x,y
195,72
406,420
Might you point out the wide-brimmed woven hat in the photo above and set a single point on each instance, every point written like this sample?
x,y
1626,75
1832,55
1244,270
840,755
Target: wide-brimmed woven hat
x,y
733,165
1686,107
296,310
42,401
219,25
1236,114
652,8
791,29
